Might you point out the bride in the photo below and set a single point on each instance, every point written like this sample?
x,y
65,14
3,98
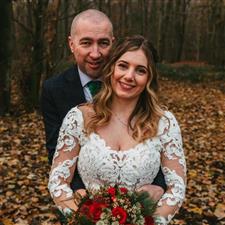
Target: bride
x,y
124,136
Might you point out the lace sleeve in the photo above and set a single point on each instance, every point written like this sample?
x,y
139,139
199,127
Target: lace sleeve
x,y
64,161
174,169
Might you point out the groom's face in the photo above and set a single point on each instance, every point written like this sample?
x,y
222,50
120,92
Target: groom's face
x,y
90,44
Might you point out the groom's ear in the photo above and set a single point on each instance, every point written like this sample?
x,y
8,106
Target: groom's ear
x,y
71,44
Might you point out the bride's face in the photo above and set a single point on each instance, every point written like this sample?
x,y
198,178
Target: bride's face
x,y
130,75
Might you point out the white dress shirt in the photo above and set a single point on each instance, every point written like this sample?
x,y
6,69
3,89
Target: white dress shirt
x,y
84,78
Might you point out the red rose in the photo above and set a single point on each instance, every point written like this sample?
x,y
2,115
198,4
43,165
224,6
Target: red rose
x,y
95,210
123,190
120,213
84,209
112,191
149,220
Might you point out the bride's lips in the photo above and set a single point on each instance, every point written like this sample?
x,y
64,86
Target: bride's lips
x,y
126,86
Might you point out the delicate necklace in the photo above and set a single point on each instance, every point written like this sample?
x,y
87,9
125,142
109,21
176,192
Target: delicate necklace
x,y
119,119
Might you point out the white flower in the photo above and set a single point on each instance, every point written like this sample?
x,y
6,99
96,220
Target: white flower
x,y
115,223
100,222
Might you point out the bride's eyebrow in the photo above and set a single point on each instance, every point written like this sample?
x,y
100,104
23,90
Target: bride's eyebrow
x,y
142,66
123,61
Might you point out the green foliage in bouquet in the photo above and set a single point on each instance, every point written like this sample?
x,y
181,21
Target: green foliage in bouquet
x,y
148,205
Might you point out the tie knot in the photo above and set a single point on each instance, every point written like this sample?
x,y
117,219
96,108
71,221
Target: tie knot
x,y
94,86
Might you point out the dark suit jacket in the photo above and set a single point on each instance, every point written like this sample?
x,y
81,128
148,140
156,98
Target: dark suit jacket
x,y
59,95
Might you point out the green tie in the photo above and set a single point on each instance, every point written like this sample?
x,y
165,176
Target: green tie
x,y
94,86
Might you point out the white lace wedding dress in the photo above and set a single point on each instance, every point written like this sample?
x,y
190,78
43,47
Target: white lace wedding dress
x,y
98,164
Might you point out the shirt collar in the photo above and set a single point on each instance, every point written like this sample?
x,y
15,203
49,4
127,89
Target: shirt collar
x,y
84,78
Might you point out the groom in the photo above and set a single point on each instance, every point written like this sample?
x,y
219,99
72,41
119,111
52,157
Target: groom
x,y
90,40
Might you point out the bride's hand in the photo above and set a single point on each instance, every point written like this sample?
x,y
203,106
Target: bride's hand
x,y
73,202
78,195
154,191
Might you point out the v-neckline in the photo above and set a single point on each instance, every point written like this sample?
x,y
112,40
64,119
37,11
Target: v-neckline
x,y
108,147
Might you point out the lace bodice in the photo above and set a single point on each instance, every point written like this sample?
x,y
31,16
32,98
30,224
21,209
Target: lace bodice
x,y
99,164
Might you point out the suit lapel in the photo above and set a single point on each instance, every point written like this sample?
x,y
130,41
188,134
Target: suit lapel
x,y
74,86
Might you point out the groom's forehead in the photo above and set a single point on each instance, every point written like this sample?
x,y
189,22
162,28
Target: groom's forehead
x,y
93,30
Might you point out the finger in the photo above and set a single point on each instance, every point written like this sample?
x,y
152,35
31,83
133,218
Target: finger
x,y
78,195
141,189
82,192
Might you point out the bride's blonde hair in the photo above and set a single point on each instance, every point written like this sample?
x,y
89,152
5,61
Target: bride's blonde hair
x,y
147,111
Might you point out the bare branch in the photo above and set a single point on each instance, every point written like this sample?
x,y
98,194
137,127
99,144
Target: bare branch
x,y
23,26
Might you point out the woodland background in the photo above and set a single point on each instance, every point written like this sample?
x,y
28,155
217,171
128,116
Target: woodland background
x,y
190,38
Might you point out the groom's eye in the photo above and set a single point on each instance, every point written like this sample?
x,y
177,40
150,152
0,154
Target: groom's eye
x,y
104,43
85,43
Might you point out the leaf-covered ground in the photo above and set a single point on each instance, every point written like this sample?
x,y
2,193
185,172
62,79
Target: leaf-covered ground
x,y
200,110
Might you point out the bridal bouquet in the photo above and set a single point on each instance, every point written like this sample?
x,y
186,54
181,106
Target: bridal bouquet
x,y
114,206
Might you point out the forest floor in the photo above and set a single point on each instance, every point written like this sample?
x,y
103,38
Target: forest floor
x,y
200,111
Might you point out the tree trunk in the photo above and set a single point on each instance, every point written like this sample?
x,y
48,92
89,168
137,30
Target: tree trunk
x,y
5,55
145,6
123,17
216,32
51,22
153,22
67,28
109,12
162,30
37,53
182,7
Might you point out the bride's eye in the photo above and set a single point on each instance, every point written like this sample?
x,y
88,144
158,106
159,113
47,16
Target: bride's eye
x,y
122,66
141,70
